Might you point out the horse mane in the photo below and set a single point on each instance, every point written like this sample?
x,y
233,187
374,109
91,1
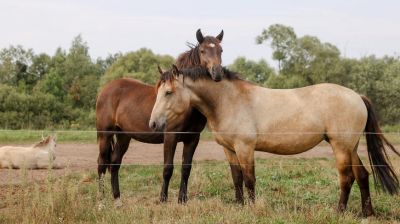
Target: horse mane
x,y
42,143
196,73
189,58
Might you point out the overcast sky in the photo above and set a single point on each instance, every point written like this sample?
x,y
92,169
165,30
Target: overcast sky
x,y
357,28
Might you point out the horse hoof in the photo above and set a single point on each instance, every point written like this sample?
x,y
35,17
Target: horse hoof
x,y
182,200
163,199
118,203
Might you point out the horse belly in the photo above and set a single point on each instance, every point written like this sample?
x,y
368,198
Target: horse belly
x,y
289,143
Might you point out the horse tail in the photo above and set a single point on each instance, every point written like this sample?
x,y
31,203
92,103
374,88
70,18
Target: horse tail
x,y
113,144
384,175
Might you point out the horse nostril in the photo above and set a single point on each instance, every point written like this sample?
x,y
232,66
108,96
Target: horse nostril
x,y
162,127
153,125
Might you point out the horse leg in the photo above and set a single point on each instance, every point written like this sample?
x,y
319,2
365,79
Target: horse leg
x,y
237,176
361,175
346,176
120,148
169,153
245,156
104,159
188,151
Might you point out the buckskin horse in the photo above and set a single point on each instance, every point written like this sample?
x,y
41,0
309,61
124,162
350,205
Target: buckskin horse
x,y
123,109
245,117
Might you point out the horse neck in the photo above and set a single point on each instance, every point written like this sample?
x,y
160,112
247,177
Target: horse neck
x,y
211,98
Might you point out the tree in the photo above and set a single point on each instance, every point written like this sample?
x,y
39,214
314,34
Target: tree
x,y
141,64
14,62
257,72
283,40
305,57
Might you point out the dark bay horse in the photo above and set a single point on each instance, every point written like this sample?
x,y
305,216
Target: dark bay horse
x,y
123,109
245,118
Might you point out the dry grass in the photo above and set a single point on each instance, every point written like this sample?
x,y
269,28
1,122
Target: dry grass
x,y
288,191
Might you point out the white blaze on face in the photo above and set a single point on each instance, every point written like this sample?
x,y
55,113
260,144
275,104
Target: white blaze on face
x,y
211,45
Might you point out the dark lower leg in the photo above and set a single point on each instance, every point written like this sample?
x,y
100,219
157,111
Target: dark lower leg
x,y
167,174
237,177
362,180
250,183
249,180
121,146
169,153
346,182
115,179
188,152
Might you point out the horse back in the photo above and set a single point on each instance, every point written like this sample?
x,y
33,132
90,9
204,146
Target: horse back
x,y
125,105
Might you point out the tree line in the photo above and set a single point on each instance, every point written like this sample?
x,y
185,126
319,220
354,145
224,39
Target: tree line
x,y
59,91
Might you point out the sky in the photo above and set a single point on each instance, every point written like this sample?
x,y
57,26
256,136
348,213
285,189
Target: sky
x,y
358,28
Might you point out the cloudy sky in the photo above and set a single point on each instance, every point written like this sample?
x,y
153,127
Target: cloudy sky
x,y
356,27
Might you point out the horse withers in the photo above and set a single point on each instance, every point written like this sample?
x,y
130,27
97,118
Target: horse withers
x,y
123,110
245,117
41,155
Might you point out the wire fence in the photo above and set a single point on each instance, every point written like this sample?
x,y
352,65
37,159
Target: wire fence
x,y
211,132
207,163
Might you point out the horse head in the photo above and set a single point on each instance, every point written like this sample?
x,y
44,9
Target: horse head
x,y
210,51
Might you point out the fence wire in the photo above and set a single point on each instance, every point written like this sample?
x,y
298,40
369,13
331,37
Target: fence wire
x,y
212,132
205,163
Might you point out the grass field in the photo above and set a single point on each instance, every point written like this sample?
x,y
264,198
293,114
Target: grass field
x,y
89,136
288,191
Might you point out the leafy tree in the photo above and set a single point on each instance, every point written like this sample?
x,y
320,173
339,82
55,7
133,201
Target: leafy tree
x,y
257,72
141,64
14,62
303,60
283,40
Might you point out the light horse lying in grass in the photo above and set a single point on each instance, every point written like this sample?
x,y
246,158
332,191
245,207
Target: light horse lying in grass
x,y
39,156
245,117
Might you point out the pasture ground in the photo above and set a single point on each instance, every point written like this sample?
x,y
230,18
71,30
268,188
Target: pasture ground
x,y
290,189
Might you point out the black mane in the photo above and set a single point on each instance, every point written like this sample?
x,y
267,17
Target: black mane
x,y
197,73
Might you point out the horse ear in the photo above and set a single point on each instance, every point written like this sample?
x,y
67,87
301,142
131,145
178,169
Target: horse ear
x,y
220,35
175,70
160,70
199,36
55,136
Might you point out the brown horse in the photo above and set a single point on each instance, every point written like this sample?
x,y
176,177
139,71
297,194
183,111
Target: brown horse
x,y
245,117
123,109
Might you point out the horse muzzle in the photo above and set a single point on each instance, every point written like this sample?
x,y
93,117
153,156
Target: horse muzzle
x,y
157,126
217,73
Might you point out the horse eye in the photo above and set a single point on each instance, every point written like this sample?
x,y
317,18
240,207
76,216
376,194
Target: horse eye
x,y
169,92
202,51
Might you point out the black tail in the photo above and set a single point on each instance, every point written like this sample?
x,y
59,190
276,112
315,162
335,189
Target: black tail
x,y
382,170
113,145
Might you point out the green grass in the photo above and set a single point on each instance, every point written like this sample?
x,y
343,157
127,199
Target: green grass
x,y
86,136
30,136
288,191
89,136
